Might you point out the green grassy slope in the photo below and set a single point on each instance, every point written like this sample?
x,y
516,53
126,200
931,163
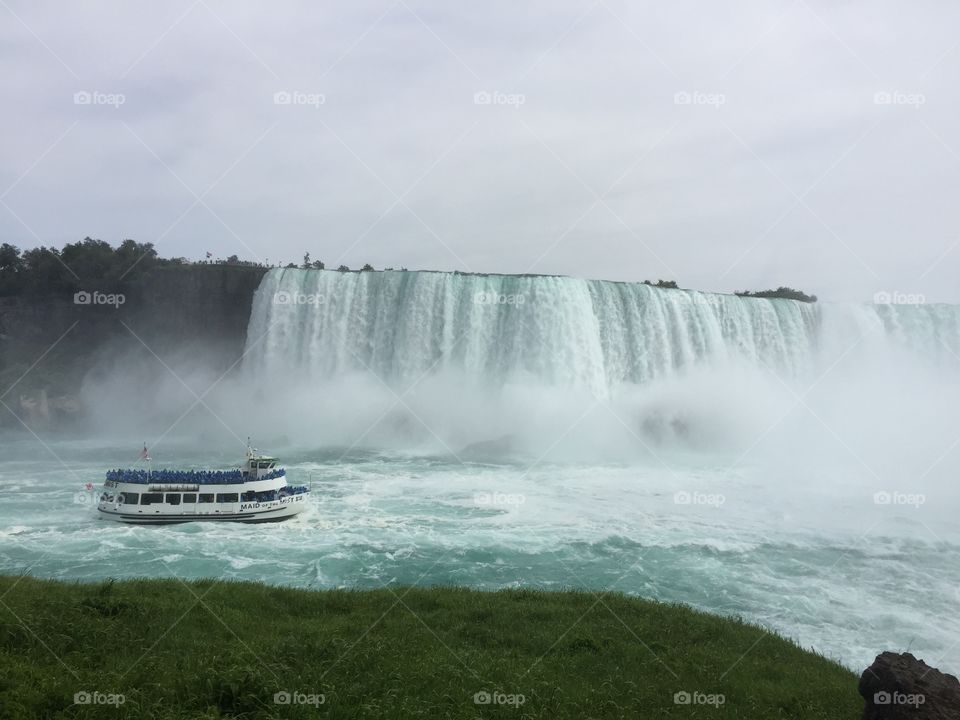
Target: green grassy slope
x,y
221,649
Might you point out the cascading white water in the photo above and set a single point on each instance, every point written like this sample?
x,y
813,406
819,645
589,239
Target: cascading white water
x,y
554,331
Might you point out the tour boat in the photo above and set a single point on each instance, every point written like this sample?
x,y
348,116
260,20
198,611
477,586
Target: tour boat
x,y
256,492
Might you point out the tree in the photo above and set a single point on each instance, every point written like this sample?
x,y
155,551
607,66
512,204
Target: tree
x,y
131,252
11,270
780,292
306,261
47,272
666,284
367,268
10,258
343,268
318,265
291,265
91,261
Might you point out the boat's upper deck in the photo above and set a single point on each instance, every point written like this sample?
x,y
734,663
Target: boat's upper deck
x,y
193,477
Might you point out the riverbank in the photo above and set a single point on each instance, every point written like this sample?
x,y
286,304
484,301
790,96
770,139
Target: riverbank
x,y
171,649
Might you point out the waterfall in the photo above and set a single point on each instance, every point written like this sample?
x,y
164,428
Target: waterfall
x,y
406,357
556,331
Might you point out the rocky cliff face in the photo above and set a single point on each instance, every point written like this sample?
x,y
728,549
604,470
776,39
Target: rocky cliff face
x,y
197,303
50,344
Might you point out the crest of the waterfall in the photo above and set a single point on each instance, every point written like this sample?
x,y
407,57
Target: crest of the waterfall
x,y
497,329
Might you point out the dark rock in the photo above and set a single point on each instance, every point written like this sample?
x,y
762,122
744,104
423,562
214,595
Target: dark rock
x,y
900,687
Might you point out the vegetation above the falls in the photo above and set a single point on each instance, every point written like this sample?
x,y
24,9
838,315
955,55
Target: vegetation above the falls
x,y
85,264
781,292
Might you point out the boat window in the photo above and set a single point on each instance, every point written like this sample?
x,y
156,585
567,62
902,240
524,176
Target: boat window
x,y
189,497
130,498
150,498
227,497
206,497
173,498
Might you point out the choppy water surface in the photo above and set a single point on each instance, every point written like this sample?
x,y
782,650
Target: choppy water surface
x,y
838,571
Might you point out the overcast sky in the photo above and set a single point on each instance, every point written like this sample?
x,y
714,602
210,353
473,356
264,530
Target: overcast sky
x,y
725,145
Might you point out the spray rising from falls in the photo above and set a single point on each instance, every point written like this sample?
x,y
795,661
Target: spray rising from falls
x,y
472,356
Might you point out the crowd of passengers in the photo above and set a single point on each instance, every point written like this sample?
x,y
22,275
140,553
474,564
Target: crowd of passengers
x,y
201,477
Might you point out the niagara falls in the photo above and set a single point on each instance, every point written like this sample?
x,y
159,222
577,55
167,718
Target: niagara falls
x,y
421,360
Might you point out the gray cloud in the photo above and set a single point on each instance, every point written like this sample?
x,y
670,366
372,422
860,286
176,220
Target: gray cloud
x,y
744,145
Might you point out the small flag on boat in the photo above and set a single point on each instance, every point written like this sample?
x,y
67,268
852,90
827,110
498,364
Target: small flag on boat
x,y
144,455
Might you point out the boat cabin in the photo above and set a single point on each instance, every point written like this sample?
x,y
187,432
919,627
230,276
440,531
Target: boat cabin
x,y
257,466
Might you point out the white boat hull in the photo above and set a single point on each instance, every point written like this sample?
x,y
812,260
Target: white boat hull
x,y
251,512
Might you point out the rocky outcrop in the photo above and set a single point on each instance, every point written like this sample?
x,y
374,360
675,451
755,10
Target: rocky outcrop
x,y
900,687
